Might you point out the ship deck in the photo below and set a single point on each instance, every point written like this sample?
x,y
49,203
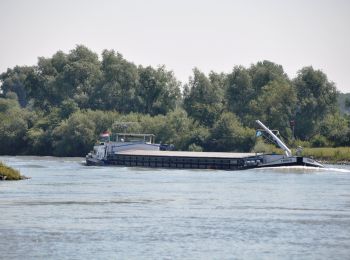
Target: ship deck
x,y
187,154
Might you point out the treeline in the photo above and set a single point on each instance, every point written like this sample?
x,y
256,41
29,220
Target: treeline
x,y
61,105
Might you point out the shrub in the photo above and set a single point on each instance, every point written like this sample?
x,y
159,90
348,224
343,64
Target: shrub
x,y
8,173
319,141
261,147
195,148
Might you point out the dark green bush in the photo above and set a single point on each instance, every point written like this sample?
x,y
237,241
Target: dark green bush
x,y
8,173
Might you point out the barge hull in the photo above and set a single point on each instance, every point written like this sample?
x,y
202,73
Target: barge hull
x,y
196,160
175,162
179,160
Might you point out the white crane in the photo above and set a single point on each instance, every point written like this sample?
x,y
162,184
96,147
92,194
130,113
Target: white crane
x,y
278,141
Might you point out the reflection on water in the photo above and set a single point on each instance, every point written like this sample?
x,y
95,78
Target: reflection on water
x,y
70,211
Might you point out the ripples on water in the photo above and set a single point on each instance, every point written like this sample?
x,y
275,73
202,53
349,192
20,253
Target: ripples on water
x,y
70,211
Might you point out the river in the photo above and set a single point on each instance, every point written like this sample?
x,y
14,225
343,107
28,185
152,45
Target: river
x,y
70,211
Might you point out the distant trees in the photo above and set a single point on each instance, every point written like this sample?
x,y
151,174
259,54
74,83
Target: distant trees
x,y
343,100
13,127
263,92
239,91
80,77
13,81
74,136
228,134
158,91
61,105
317,98
203,99
118,85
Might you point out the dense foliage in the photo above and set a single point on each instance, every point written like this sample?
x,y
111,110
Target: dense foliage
x,y
61,105
344,103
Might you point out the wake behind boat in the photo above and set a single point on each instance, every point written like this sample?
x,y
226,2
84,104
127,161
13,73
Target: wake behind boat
x,y
140,150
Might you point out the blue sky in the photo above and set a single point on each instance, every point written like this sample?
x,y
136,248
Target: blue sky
x,y
210,35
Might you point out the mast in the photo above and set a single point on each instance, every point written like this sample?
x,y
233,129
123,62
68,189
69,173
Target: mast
x,y
279,141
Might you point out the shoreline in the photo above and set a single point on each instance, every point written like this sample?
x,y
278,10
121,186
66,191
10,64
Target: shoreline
x,y
333,162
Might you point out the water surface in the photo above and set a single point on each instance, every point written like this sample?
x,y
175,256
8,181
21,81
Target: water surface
x,y
71,211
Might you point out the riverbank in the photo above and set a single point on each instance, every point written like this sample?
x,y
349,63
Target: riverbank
x,y
337,155
9,174
325,155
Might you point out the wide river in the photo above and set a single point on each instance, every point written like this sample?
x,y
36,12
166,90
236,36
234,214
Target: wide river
x,y
70,211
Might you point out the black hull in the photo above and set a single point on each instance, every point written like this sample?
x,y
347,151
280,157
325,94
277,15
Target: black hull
x,y
198,162
299,161
94,162
289,164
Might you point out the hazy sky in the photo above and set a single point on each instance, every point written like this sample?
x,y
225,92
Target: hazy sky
x,y
183,34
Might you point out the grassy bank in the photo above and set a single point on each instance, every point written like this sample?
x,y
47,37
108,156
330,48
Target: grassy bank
x,y
324,154
8,173
329,154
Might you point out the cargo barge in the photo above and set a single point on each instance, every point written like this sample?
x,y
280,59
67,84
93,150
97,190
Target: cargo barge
x,y
139,150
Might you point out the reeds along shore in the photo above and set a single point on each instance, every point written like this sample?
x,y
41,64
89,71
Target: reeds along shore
x,y
331,155
9,174
337,155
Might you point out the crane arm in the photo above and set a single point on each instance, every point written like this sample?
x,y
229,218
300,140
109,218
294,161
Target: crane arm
x,y
278,141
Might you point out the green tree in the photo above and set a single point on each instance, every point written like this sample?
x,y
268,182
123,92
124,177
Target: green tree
x,y
158,91
73,76
317,97
68,107
39,141
239,91
228,134
13,127
275,106
264,72
247,90
74,136
336,129
103,120
180,125
202,99
81,76
347,103
41,85
39,135
118,85
13,80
